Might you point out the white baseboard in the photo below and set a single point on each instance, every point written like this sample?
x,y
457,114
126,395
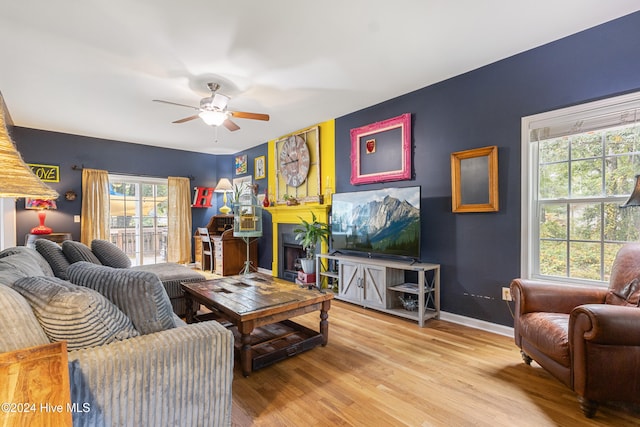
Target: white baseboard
x,y
478,324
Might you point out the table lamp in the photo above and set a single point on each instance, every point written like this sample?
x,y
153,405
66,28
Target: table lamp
x,y
224,187
42,206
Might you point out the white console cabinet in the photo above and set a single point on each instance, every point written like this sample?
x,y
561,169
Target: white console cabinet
x,y
383,284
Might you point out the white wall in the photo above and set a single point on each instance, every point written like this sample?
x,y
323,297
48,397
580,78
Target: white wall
x,y
7,222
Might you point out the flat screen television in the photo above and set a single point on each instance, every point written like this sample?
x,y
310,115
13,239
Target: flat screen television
x,y
383,222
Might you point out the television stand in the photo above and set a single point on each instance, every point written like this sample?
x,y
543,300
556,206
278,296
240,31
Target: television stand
x,y
409,290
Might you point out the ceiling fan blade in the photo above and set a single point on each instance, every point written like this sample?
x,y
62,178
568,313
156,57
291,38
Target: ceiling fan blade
x,y
175,103
186,119
230,125
245,115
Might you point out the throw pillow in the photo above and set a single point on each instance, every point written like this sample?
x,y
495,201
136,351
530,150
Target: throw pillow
x,y
77,251
139,294
31,255
20,328
109,254
52,252
23,264
78,315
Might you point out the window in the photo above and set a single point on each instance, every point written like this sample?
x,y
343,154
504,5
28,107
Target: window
x,y
139,217
579,166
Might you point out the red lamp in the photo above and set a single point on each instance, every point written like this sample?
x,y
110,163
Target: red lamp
x,y
42,206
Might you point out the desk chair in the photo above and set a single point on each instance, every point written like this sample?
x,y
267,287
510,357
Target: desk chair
x,y
207,249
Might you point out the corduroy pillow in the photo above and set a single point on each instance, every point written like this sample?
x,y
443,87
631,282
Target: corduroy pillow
x,y
77,251
109,254
20,327
52,252
78,315
32,256
139,294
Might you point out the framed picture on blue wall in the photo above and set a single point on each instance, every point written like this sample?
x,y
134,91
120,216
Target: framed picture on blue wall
x,y
241,164
259,167
474,180
381,151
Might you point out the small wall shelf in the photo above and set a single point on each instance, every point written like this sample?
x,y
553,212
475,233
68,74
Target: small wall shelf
x,y
382,284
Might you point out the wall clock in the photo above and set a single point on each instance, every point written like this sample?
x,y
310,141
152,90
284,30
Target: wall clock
x,y
294,161
298,166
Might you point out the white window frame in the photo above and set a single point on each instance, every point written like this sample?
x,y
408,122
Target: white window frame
x,y
529,172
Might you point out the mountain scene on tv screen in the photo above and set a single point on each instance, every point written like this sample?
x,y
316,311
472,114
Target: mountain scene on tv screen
x,y
389,225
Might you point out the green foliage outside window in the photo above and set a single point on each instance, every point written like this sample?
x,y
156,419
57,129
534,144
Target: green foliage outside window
x,y
582,181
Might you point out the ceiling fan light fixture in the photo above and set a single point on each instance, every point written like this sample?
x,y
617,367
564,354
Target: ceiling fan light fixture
x,y
219,101
213,118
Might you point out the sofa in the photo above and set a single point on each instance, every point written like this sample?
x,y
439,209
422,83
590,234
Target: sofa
x,y
103,252
587,337
132,361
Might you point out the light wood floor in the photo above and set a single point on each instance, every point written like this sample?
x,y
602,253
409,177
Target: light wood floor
x,y
379,370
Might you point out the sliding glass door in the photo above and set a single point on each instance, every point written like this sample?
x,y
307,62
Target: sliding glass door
x,y
139,217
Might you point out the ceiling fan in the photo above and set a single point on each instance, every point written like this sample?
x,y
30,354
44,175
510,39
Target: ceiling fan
x,y
213,110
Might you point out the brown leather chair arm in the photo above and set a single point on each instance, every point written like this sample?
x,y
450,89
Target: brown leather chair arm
x,y
535,296
605,324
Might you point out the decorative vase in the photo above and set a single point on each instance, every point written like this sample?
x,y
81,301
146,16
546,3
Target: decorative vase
x,y
265,202
308,265
41,229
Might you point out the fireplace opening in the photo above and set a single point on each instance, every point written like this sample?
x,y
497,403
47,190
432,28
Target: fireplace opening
x,y
289,253
291,262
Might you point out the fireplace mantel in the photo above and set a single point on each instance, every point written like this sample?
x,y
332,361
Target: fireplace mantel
x,y
283,214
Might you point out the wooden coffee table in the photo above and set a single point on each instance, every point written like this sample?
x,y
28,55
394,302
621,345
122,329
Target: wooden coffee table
x,y
255,300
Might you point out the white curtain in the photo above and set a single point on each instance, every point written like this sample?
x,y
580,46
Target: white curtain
x,y
179,218
94,221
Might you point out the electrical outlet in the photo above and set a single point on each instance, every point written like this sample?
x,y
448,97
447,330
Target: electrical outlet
x,y
506,294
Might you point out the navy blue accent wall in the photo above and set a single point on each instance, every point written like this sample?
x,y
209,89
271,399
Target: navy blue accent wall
x,y
51,148
480,252
66,151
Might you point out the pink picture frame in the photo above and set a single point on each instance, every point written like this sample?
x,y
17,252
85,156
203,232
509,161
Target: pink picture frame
x,y
390,158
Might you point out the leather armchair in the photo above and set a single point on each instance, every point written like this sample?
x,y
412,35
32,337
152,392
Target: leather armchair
x,y
586,337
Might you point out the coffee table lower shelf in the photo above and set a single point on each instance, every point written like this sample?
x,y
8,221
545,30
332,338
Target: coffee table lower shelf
x,y
277,341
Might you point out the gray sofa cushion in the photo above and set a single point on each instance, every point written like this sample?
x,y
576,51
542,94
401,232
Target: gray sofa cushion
x,y
171,275
31,254
78,315
140,295
17,266
20,328
77,251
52,252
109,254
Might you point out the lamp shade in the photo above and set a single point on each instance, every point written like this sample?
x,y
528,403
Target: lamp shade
x,y
224,186
634,198
40,204
17,179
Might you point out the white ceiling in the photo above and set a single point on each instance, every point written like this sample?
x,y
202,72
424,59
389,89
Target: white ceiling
x,y
92,67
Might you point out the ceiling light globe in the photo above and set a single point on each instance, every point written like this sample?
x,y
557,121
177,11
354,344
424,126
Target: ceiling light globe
x,y
213,118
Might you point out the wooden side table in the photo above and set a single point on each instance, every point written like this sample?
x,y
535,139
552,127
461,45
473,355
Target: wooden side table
x,y
30,239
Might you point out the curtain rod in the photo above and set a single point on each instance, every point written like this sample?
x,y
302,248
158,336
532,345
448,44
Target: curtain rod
x,y
79,168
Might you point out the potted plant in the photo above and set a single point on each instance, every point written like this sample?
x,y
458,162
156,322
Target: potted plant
x,y
309,234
